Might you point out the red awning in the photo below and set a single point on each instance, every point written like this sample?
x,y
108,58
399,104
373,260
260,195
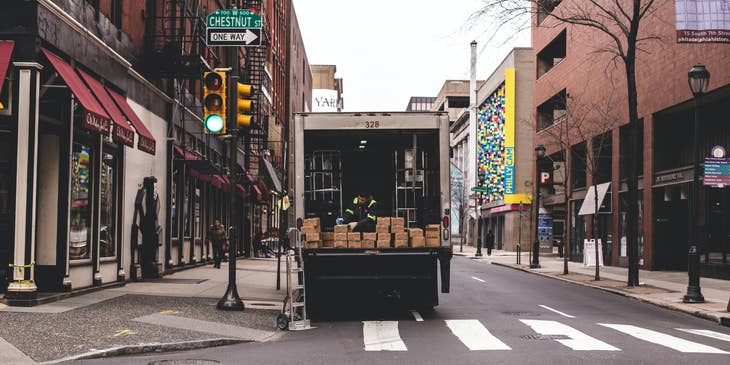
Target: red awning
x,y
188,155
94,117
123,133
6,50
146,141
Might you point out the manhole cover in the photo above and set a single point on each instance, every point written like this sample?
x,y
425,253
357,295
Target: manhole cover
x,y
544,337
185,362
521,314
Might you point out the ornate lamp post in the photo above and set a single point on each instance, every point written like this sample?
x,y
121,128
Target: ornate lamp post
x,y
699,79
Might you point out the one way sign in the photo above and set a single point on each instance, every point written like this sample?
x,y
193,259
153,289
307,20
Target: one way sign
x,y
247,37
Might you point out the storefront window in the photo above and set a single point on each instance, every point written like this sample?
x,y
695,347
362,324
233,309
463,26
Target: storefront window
x,y
623,222
187,208
107,233
174,209
198,221
81,201
578,231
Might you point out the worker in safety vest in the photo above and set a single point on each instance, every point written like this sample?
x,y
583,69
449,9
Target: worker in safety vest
x,y
362,215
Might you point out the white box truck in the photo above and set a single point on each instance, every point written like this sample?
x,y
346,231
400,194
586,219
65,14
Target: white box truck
x,y
402,158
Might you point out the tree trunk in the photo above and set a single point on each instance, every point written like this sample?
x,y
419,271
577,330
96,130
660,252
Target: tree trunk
x,y
632,226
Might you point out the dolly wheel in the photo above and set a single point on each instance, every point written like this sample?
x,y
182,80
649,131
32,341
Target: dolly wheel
x,y
282,322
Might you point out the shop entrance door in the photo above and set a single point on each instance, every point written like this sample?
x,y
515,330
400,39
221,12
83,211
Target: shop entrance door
x,y
7,194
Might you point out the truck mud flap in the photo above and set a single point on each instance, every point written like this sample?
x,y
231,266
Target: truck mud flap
x,y
445,255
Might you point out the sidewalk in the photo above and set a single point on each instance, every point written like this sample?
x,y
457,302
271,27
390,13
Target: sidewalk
x,y
176,312
661,288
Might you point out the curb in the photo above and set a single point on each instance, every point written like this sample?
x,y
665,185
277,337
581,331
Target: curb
x,y
150,348
724,321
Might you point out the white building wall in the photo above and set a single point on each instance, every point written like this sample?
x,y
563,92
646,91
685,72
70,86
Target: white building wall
x,y
137,166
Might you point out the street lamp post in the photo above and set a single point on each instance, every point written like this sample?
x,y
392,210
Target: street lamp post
x,y
539,154
477,212
699,79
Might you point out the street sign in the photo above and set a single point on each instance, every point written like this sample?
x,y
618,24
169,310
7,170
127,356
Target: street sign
x,y
479,189
717,171
233,27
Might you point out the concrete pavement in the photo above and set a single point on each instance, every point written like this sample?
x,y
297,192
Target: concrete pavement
x,y
176,312
662,288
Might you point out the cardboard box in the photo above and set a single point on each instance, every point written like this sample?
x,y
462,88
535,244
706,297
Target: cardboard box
x,y
433,227
354,236
433,242
311,237
354,244
308,230
397,221
384,221
311,222
372,236
327,236
312,244
418,241
432,234
400,243
340,237
368,243
401,236
340,244
328,244
415,232
382,229
383,243
385,236
342,228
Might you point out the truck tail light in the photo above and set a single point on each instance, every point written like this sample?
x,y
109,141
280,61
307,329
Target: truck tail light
x,y
445,222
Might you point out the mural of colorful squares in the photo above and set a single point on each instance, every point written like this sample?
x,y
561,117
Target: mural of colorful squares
x,y
491,155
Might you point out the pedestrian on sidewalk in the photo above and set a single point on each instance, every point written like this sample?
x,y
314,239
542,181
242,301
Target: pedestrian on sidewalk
x,y
490,242
217,237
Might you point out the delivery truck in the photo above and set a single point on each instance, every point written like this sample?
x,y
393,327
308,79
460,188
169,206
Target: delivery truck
x,y
402,159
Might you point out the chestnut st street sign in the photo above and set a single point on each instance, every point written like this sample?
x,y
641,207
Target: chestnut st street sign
x,y
233,27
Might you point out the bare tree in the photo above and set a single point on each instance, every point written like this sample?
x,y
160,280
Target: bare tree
x,y
619,21
458,204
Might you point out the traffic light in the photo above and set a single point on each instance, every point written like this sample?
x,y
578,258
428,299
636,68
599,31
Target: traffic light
x,y
243,105
214,102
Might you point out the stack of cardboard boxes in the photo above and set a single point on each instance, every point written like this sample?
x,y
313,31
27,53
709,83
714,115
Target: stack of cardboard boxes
x,y
389,232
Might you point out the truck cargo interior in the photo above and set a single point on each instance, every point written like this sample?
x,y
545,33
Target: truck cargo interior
x,y
339,164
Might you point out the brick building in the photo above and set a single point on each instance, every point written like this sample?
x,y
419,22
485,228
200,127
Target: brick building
x,y
106,174
578,86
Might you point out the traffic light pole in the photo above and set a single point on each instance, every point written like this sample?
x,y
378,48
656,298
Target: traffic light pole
x,y
231,301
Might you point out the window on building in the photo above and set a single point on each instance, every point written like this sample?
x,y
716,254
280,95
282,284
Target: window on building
x,y
81,201
544,8
187,207
107,200
552,54
198,217
578,166
601,160
116,13
552,111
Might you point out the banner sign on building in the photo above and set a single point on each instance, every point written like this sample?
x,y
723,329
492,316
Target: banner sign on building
x,y
324,100
703,21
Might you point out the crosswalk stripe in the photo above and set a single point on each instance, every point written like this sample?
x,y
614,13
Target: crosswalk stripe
x,y
382,336
663,339
707,333
577,340
556,311
474,335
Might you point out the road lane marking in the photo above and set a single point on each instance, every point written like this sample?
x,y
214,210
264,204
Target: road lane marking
x,y
477,279
556,311
707,333
417,316
578,340
124,332
382,336
663,339
474,335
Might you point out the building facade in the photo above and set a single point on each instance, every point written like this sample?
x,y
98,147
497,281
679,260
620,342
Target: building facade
x,y
577,86
504,149
327,89
106,174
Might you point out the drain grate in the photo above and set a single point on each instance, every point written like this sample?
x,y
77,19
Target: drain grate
x,y
544,337
522,314
185,362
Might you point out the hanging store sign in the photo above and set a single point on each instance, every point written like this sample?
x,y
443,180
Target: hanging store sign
x,y
233,27
703,21
96,123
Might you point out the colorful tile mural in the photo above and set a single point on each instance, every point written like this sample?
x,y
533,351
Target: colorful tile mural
x,y
491,148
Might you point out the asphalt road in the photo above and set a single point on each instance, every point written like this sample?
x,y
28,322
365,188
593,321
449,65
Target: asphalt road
x,y
492,315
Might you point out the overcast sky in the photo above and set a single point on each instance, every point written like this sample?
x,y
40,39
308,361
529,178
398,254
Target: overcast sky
x,y
389,50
